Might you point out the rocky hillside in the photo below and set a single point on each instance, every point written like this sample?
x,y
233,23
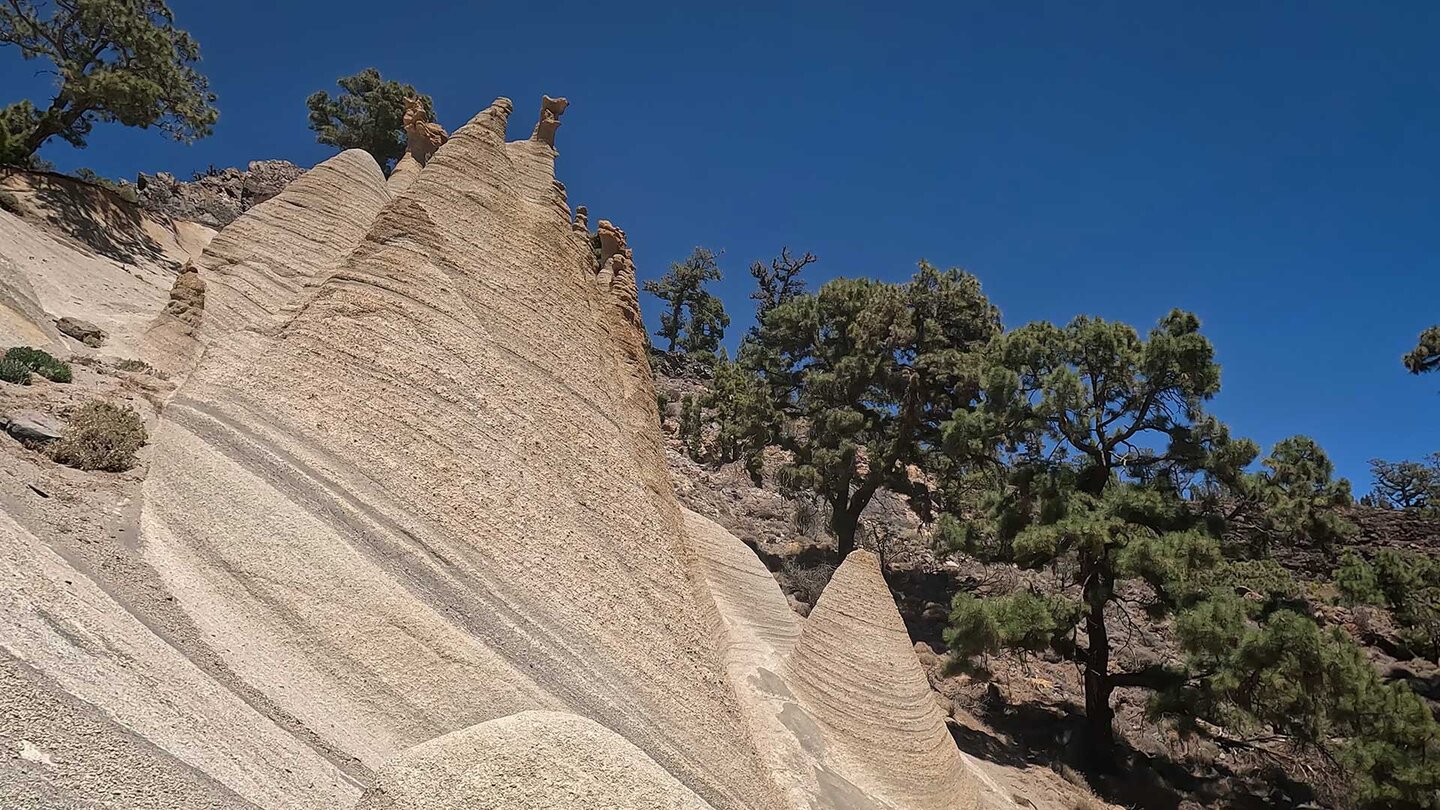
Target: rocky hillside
x,y
1024,712
216,197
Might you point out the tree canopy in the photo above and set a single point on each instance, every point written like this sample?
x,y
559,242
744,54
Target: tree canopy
x,y
1294,501
1425,357
779,282
1096,435
694,318
115,60
367,114
859,377
1411,486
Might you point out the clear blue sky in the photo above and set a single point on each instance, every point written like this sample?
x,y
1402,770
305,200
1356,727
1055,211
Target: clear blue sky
x,y
1274,167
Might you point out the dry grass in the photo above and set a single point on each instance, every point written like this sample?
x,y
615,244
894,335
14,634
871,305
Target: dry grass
x,y
805,582
100,436
140,367
810,517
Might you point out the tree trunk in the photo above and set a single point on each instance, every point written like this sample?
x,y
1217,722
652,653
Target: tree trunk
x,y
52,122
1099,717
37,137
844,524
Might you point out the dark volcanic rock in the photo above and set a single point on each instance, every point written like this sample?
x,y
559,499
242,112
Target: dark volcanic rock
x,y
217,197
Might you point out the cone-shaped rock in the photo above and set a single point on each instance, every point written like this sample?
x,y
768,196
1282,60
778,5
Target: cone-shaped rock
x,y
436,497
855,670
256,271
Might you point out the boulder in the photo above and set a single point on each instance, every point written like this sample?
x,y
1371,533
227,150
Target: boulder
x,y
34,426
82,330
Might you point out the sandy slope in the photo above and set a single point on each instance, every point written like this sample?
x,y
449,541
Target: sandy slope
x,y
80,251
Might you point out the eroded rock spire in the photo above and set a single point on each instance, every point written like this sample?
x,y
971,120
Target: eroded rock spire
x,y
550,111
422,136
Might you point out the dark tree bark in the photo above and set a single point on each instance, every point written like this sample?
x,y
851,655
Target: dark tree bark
x,y
1099,683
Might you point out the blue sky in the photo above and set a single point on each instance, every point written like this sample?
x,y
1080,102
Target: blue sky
x,y
1271,166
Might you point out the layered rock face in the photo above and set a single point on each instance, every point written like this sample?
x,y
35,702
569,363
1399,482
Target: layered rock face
x,y
411,494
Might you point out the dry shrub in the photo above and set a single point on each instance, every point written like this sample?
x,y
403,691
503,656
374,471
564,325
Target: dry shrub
x,y
810,517
806,582
100,436
140,367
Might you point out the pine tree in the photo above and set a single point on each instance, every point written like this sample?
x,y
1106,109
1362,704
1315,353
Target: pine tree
x,y
694,319
368,114
1109,470
1098,434
859,377
1407,584
1252,667
116,60
778,283
1295,501
691,422
1412,486
743,413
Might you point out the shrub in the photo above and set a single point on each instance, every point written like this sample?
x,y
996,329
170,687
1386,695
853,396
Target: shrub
x,y
137,366
41,362
806,582
101,436
14,371
1357,581
9,202
690,422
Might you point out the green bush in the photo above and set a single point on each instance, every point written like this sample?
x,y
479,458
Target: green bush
x,y
1357,581
41,362
690,421
14,371
1407,584
9,202
100,436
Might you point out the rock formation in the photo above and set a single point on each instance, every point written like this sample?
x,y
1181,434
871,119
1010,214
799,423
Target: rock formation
x,y
550,111
217,197
410,515
422,136
81,330
528,760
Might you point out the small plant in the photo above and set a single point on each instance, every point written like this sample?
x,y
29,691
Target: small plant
x,y
14,371
137,366
41,362
9,202
101,436
690,420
